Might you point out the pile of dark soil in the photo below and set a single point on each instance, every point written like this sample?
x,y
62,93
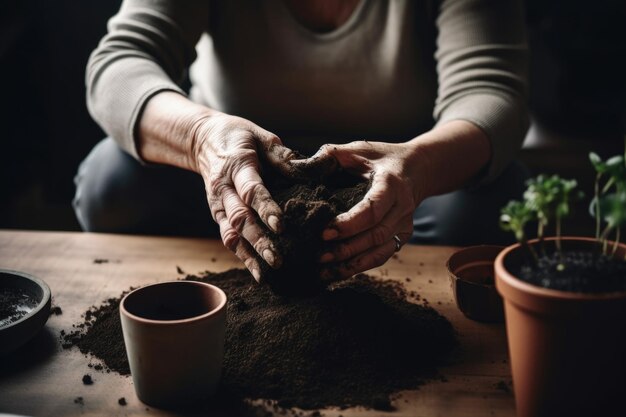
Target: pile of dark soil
x,y
354,344
584,271
15,304
100,335
308,207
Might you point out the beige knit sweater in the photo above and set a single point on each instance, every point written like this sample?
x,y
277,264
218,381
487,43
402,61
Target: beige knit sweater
x,y
388,73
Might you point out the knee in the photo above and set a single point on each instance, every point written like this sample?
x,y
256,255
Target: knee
x,y
102,202
470,217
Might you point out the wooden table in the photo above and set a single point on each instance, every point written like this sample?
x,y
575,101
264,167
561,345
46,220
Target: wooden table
x,y
42,379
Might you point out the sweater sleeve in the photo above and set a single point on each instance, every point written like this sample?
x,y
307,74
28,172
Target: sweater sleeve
x,y
148,48
482,69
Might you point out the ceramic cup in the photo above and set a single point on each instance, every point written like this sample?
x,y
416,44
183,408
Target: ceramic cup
x,y
174,336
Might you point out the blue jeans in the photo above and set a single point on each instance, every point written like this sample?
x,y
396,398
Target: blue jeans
x,y
117,194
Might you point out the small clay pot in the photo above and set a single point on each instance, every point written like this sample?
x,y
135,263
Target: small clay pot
x,y
174,337
473,284
567,349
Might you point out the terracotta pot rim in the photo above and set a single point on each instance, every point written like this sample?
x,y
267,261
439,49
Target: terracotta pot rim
x,y
505,279
452,272
168,323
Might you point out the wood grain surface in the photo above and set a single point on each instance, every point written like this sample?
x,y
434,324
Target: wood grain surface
x,y
42,379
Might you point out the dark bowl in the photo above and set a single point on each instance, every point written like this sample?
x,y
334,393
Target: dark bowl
x,y
24,308
473,285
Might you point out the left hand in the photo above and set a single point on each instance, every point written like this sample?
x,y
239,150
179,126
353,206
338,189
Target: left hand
x,y
363,237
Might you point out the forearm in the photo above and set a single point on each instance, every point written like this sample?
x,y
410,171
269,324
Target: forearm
x,y
146,51
167,130
447,157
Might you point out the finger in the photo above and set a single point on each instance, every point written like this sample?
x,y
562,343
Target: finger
x,y
244,221
240,246
369,259
376,203
278,154
375,236
275,153
249,186
319,166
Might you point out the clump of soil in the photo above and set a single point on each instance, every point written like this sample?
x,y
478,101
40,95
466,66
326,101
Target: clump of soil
x,y
584,271
87,379
56,311
15,303
308,207
353,344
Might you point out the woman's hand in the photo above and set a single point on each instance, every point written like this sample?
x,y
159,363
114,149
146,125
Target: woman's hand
x,y
403,175
364,237
226,151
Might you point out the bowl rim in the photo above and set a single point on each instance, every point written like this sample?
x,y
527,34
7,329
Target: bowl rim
x,y
42,303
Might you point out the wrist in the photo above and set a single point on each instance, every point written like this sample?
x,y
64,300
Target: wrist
x,y
418,167
169,128
448,157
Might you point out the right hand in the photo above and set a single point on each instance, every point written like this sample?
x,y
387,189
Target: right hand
x,y
226,151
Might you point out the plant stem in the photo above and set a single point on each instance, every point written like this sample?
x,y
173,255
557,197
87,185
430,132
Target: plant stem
x,y
559,249
603,237
525,243
597,193
558,234
616,243
540,236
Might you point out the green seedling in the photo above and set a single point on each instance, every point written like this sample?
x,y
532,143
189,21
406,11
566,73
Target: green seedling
x,y
545,199
609,202
550,198
513,218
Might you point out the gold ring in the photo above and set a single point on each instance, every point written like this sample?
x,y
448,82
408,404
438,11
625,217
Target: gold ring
x,y
398,242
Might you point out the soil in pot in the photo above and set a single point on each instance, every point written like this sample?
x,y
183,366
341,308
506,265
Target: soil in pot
x,y
575,271
308,205
15,303
354,344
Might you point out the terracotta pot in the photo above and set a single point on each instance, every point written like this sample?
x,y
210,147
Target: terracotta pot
x,y
473,284
568,350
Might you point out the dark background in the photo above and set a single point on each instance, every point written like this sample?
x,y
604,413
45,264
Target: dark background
x,y
577,96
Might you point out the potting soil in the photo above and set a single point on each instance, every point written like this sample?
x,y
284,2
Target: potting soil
x,y
308,207
15,304
585,272
354,344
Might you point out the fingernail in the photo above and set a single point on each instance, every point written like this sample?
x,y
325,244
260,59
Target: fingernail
x,y
269,257
274,223
327,257
256,274
330,234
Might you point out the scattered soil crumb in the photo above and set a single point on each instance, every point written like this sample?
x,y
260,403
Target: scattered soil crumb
x,y
100,261
213,259
180,270
79,400
122,401
87,379
56,311
503,386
